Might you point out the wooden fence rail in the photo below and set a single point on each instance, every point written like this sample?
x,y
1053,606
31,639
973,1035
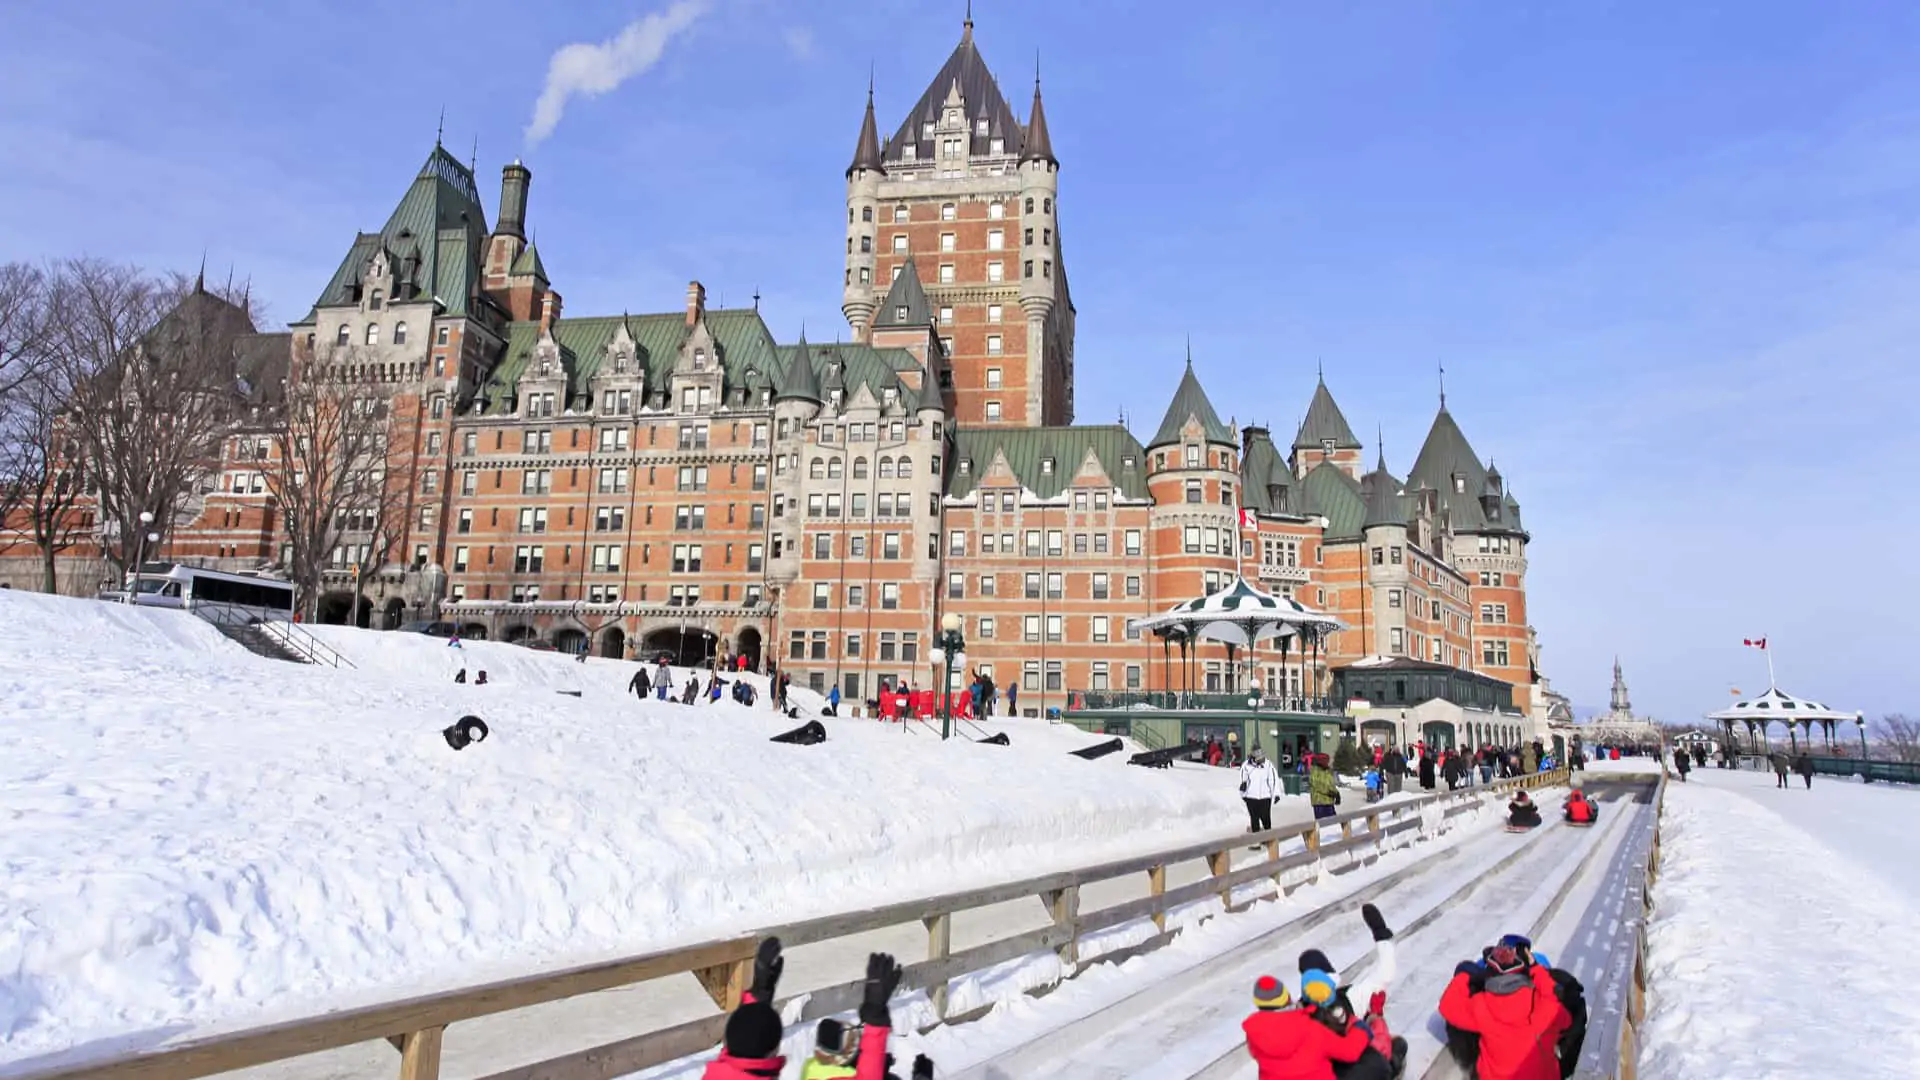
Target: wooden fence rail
x,y
416,1026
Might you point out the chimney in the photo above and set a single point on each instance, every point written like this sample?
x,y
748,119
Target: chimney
x,y
514,181
696,303
549,309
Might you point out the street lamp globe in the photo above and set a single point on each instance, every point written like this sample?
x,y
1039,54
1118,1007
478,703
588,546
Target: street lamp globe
x,y
153,538
950,622
146,517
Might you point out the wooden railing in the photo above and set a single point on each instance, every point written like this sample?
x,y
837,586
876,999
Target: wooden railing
x,y
1628,1062
416,1026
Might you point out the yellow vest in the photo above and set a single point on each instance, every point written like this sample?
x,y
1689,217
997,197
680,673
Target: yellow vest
x,y
815,1069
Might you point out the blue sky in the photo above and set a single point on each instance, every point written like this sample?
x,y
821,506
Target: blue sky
x,y
1669,254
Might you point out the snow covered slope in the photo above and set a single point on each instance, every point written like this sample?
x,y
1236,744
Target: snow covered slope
x,y
1785,938
195,835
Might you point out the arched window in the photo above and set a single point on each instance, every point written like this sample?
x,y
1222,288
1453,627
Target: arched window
x,y
859,468
399,333
948,212
905,468
817,469
900,214
344,338
374,299
886,468
834,469
373,333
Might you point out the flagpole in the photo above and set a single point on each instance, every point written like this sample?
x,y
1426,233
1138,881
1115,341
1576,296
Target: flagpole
x,y
1769,653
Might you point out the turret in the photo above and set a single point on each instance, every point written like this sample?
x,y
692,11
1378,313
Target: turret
x,y
863,207
1039,187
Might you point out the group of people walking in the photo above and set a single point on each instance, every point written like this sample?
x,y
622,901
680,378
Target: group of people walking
x,y
660,685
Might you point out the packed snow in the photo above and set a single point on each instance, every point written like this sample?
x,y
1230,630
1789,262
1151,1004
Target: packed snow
x,y
199,837
1785,938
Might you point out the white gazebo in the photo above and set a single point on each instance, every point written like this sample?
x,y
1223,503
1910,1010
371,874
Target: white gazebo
x,y
1778,706
1240,616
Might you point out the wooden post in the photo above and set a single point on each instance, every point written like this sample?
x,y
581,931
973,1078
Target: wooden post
x,y
1373,825
726,984
1157,886
1064,906
1346,829
1219,865
939,947
420,1054
1312,838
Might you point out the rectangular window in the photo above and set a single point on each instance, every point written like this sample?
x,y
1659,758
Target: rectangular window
x,y
987,584
1099,586
1101,625
993,313
996,240
890,596
890,546
946,316
460,555
956,586
1031,626
946,273
1055,625
1193,540
986,628
822,595
948,242
465,524
1099,681
993,346
1133,542
1056,586
1033,586
957,542
856,596
1133,585
993,410
996,271
1393,598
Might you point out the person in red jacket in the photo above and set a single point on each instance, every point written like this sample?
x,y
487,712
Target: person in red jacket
x,y
1516,1013
1580,809
1292,1044
751,1050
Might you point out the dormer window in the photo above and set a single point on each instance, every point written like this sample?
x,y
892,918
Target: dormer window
x,y
833,398
1326,447
374,300
1459,484
1126,464
1046,466
980,126
926,130
966,466
996,146
699,359
546,368
1193,456
900,313
953,117
890,396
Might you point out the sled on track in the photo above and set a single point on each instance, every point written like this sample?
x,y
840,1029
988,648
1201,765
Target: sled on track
x,y
1581,824
1521,828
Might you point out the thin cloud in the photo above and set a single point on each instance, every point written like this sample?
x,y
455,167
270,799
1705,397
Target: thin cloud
x,y
800,43
589,70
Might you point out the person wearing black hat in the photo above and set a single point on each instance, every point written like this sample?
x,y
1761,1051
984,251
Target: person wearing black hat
x,y
834,1048
1325,1000
1505,1016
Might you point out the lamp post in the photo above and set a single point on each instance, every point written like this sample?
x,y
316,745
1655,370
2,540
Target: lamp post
x,y
949,647
1860,724
140,549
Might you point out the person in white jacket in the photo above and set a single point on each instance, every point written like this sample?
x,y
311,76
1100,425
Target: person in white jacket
x,y
1259,784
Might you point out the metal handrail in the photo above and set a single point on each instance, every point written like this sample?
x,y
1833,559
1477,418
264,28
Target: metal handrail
x,y
291,635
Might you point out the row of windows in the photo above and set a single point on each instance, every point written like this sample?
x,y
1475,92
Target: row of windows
x,y
891,545
1008,500
608,558
996,210
885,504
831,469
533,519
1222,459
345,336
1051,542
856,596
608,593
987,586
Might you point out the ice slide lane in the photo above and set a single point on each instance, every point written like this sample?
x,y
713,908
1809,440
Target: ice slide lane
x,y
1569,912
1185,1023
1188,1024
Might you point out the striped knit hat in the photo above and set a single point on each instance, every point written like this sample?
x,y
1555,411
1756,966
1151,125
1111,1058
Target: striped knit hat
x,y
1318,988
1270,993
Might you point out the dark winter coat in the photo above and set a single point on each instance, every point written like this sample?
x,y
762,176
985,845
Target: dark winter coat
x,y
1803,765
1518,1030
1426,771
640,684
1289,1044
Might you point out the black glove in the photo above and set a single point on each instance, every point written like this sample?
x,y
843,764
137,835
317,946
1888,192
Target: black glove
x,y
922,1067
883,977
767,965
1376,922
1467,967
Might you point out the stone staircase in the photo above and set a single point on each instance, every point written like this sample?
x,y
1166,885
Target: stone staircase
x,y
259,642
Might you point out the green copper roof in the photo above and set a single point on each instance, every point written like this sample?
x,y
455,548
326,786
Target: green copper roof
x,y
747,352
1334,495
800,382
1324,421
1444,456
1385,503
529,263
1028,449
1261,468
438,227
906,303
1190,403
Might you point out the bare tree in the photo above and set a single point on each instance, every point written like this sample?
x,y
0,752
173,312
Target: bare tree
x,y
151,369
1898,736
23,326
44,471
331,471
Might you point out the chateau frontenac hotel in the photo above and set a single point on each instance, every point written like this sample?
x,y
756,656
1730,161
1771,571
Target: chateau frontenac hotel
x,y
683,482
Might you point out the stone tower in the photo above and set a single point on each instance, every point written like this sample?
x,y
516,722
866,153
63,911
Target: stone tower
x,y
1618,705
972,195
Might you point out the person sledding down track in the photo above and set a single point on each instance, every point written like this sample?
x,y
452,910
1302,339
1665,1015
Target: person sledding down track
x,y
1522,814
1580,810
1318,1037
1512,1016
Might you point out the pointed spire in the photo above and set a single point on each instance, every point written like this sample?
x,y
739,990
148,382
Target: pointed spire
x,y
1384,503
1324,421
866,151
1442,365
1190,403
966,28
1038,145
440,132
906,303
800,383
200,281
1380,445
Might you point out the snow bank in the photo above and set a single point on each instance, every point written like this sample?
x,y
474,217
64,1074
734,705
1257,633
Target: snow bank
x,y
1785,940
196,836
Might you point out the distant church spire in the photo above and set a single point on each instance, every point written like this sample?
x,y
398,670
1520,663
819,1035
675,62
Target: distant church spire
x,y
1619,705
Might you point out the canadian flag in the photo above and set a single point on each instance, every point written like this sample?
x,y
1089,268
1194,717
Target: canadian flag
x,y
1754,643
1248,520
